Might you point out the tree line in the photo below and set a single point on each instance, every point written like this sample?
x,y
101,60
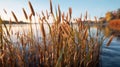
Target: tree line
x,y
110,15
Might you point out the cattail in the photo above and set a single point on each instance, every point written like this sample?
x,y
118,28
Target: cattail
x,y
5,11
86,15
44,36
31,8
70,12
59,11
110,40
14,16
25,14
51,9
43,30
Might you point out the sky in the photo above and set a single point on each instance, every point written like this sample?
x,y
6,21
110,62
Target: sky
x,y
96,8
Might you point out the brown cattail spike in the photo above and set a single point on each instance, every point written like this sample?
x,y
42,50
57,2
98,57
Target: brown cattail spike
x,y
31,8
59,11
25,14
51,9
5,11
70,12
86,15
14,16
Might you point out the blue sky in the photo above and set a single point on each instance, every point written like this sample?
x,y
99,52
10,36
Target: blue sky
x,y
94,7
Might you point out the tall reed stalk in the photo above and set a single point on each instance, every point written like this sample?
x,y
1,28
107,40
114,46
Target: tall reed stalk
x,y
67,44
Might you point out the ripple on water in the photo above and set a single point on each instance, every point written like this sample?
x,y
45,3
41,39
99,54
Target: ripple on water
x,y
110,56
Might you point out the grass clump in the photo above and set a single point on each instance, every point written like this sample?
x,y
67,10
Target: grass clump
x,y
66,45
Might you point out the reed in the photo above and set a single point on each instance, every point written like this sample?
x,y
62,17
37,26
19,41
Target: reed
x,y
5,11
51,8
110,40
31,8
65,45
25,14
14,16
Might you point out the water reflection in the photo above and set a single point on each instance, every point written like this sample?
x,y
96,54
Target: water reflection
x,y
118,38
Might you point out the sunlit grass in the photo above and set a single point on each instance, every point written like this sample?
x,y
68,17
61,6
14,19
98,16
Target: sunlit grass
x,y
67,44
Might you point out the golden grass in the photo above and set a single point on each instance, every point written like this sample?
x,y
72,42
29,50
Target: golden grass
x,y
66,44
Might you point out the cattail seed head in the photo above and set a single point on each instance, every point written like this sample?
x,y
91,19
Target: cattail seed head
x,y
25,14
31,8
51,9
14,16
70,12
5,11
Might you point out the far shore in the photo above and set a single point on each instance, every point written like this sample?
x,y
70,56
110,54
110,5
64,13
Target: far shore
x,y
13,22
22,22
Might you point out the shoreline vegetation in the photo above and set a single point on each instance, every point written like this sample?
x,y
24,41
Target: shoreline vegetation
x,y
64,46
13,22
22,22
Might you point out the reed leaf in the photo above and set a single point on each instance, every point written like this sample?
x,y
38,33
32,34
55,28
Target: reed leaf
x,y
110,40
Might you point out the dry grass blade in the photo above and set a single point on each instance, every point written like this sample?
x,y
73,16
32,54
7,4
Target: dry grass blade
x,y
47,14
14,16
25,14
31,8
110,40
85,33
